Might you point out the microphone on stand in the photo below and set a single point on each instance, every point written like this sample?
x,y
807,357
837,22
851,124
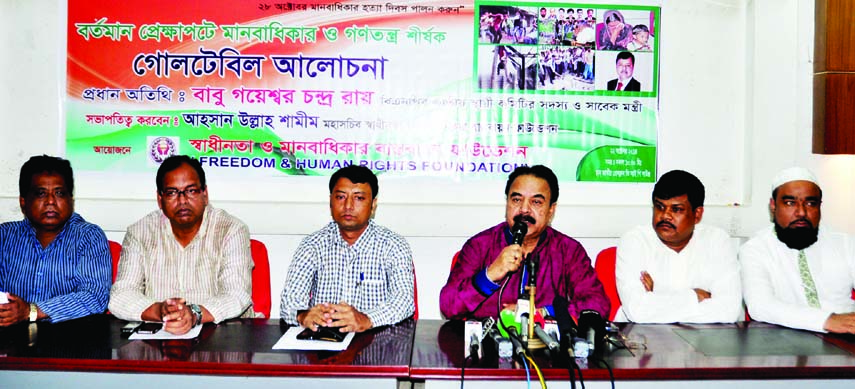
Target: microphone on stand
x,y
566,327
532,288
550,342
593,328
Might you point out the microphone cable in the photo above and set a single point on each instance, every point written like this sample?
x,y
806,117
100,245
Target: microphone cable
x,y
609,368
524,354
581,380
463,369
539,373
469,358
571,373
527,374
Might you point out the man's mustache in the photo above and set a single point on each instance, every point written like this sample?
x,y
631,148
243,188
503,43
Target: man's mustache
x,y
524,218
665,223
810,225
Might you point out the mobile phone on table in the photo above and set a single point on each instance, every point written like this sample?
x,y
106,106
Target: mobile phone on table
x,y
131,327
149,328
328,334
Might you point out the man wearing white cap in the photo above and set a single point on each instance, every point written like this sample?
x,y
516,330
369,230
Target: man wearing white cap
x,y
795,273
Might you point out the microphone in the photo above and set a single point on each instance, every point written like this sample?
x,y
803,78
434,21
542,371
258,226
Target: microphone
x,y
504,347
518,231
524,326
514,337
472,334
532,287
474,346
566,327
593,327
548,340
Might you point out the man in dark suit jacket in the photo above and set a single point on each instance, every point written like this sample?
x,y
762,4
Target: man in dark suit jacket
x,y
625,64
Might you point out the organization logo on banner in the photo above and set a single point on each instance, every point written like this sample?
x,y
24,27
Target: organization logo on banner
x,y
161,148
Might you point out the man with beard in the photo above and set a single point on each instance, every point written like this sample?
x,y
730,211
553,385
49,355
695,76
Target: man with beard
x,y
674,269
491,258
795,273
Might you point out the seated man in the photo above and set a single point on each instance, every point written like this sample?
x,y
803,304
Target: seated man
x,y
490,258
795,273
352,274
187,263
54,265
674,269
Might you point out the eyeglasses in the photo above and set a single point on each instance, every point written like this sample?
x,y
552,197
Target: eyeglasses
x,y
172,193
42,193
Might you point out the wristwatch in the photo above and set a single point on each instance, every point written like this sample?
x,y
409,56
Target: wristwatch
x,y
34,312
197,313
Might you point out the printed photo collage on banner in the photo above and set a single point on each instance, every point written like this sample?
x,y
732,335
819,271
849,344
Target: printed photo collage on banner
x,y
565,47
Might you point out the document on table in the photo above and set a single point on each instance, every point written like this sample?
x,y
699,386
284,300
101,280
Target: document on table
x,y
289,341
163,335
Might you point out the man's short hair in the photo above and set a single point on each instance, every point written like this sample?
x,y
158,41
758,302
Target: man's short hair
x,y
639,28
538,171
174,162
39,164
625,55
357,174
677,183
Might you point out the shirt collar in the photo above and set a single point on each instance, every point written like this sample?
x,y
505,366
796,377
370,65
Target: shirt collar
x,y
73,219
203,227
368,231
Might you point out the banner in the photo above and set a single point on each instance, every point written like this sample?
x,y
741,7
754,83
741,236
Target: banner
x,y
463,90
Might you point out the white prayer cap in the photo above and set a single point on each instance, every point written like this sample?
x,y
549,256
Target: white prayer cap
x,y
793,174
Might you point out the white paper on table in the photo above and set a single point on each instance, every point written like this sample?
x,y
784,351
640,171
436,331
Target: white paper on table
x,y
289,341
163,335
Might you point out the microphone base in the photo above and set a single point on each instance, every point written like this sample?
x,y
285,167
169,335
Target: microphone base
x,y
535,344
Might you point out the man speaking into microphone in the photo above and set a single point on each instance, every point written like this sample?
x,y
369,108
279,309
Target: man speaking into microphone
x,y
493,255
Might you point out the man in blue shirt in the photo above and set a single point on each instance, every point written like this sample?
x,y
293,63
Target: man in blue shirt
x,y
54,265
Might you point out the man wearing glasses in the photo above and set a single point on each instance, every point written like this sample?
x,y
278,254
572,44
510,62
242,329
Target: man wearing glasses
x,y
796,273
54,266
187,263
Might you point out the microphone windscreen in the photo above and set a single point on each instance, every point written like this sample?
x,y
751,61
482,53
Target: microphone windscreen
x,y
592,320
518,231
562,316
508,319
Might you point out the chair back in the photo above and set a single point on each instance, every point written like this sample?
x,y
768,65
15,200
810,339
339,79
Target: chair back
x,y
115,252
415,295
260,279
605,268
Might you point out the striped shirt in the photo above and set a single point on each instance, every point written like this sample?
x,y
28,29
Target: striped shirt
x,y
70,278
375,275
214,270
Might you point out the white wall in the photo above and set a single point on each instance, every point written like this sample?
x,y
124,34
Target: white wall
x,y
735,78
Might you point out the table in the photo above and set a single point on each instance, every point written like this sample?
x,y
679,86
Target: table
x,y
91,352
708,355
